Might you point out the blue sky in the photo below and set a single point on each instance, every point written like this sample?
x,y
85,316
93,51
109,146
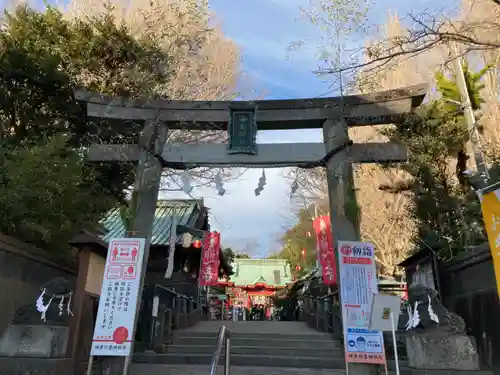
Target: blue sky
x,y
264,29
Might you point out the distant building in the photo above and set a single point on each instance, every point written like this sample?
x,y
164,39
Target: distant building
x,y
255,280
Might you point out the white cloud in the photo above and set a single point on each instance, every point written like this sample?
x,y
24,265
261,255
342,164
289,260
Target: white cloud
x,y
264,30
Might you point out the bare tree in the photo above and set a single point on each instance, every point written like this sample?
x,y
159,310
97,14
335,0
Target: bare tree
x,y
477,12
203,64
425,31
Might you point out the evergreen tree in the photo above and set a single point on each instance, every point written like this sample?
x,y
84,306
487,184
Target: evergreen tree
x,y
47,191
446,209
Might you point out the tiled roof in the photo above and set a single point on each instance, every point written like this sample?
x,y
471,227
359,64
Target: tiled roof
x,y
187,212
252,271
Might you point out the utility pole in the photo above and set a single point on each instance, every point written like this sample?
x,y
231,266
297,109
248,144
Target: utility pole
x,y
475,141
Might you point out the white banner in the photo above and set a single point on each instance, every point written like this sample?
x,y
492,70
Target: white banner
x,y
114,329
358,284
171,249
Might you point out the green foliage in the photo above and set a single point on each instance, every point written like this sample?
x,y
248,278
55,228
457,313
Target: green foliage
x,y
448,88
44,57
296,239
242,256
229,254
47,195
447,211
127,211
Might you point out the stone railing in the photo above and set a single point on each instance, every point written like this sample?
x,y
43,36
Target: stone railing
x,y
174,311
323,313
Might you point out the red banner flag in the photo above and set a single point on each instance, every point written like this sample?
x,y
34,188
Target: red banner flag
x,y
209,270
324,247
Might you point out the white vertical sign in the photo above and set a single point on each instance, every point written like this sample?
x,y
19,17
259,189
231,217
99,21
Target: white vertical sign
x,y
358,284
171,248
114,329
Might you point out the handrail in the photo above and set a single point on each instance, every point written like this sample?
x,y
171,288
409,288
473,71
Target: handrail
x,y
173,292
224,337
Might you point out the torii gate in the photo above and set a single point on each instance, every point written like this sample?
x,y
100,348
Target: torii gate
x,y
242,120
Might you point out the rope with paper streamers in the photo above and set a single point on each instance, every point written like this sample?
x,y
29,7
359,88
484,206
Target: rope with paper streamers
x,y
414,316
43,308
187,187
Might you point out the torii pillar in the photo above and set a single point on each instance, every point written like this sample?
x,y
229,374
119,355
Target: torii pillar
x,y
341,193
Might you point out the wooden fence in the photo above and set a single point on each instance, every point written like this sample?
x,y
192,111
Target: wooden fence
x,y
23,269
469,289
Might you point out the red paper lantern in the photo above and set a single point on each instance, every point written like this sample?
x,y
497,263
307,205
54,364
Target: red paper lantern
x,y
197,244
303,252
298,268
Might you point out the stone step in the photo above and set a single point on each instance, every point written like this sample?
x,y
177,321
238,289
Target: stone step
x,y
152,369
263,359
202,360
163,369
260,342
305,336
289,350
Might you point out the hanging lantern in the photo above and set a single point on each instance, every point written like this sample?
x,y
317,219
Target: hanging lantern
x,y
187,240
298,267
197,244
303,252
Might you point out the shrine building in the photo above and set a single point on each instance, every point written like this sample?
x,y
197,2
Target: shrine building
x,y
191,216
256,280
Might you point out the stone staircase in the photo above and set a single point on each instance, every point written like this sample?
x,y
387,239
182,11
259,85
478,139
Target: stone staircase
x,y
287,348
259,348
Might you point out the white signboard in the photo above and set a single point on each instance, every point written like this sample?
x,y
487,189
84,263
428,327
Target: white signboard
x,y
385,312
358,283
114,329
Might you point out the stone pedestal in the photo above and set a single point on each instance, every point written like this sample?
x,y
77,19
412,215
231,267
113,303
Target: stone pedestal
x,y
442,351
40,341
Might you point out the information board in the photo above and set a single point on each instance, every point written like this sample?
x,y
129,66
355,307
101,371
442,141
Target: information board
x,y
358,284
364,346
114,329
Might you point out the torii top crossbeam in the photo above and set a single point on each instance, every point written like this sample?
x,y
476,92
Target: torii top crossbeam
x,y
357,110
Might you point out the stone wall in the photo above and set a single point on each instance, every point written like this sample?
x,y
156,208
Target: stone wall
x,y
23,269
